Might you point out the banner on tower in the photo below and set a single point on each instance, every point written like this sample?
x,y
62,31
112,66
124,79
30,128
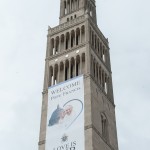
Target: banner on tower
x,y
65,117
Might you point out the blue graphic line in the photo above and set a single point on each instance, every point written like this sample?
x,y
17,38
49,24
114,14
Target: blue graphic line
x,y
78,114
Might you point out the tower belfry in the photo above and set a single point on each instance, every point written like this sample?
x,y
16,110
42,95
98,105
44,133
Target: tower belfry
x,y
77,47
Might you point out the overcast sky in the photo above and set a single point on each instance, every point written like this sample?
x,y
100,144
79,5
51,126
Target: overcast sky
x,y
23,30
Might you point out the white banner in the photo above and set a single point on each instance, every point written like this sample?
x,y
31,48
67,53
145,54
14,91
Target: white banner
x,y
65,118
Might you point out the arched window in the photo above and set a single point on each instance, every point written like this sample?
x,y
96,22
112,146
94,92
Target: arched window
x,y
103,80
68,6
77,65
104,123
91,11
72,5
72,38
50,76
104,59
72,71
57,45
92,38
52,51
61,75
98,46
62,42
83,63
67,40
66,70
56,75
65,7
76,4
106,84
77,36
83,34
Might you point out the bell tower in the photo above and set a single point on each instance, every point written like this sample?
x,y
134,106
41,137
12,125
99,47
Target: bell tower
x,y
70,9
78,47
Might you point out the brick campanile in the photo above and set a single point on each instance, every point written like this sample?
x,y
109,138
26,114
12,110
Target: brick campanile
x,y
77,47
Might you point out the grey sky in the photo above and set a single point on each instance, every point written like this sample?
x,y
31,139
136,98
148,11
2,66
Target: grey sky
x,y
23,30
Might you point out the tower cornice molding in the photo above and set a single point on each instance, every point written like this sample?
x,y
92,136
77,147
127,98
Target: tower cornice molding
x,y
65,26
53,57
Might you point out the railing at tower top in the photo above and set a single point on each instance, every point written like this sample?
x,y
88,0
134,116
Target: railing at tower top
x,y
67,24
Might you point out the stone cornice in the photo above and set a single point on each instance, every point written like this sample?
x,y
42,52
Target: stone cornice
x,y
65,52
64,26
